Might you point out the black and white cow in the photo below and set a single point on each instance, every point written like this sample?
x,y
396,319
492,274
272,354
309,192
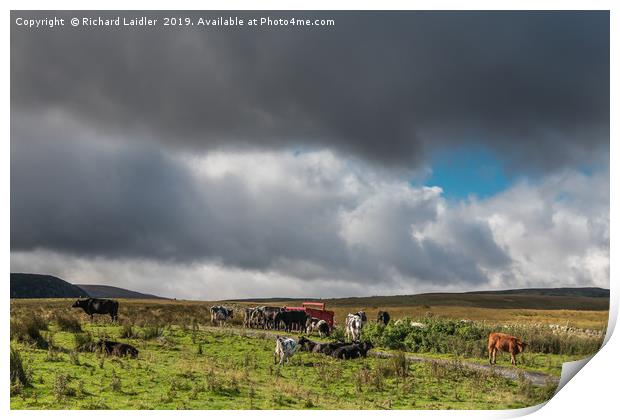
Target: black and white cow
x,y
285,348
383,318
220,314
353,325
264,316
306,345
214,310
247,317
319,326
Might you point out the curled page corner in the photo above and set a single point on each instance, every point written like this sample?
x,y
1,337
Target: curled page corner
x,y
570,369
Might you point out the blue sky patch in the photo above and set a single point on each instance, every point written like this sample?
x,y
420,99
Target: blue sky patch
x,y
465,171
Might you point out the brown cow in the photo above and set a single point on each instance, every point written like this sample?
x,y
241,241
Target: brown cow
x,y
507,343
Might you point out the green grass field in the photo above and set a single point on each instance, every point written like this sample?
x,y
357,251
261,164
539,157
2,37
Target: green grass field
x,y
185,364
222,370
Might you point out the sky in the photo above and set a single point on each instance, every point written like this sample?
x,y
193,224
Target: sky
x,y
392,153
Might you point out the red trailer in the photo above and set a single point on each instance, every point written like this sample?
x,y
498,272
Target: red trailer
x,y
315,310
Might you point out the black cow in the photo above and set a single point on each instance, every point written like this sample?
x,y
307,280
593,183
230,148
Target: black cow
x,y
305,344
352,351
327,348
98,306
383,318
114,348
291,320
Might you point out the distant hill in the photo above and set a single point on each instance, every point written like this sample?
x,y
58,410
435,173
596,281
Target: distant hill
x,y
587,298
595,292
34,286
101,291
42,286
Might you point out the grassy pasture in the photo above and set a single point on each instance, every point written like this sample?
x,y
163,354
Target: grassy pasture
x,y
185,369
182,364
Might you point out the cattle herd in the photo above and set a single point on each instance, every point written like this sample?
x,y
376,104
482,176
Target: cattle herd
x,y
286,347
275,318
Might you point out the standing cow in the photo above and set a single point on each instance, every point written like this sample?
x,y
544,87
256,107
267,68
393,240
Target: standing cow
x,y
247,317
220,314
292,320
504,342
285,348
264,316
214,310
383,318
98,306
353,325
317,325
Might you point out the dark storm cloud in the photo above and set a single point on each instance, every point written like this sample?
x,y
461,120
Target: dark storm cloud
x,y
388,87
102,121
78,195
83,197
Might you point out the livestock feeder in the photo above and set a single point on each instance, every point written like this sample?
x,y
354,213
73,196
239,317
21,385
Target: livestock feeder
x,y
314,310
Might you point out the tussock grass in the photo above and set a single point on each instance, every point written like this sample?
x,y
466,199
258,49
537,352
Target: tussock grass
x,y
68,323
20,374
28,330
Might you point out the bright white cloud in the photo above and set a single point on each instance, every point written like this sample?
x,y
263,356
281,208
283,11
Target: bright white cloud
x,y
316,224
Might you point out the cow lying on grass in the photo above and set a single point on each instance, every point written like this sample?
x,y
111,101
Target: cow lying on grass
x,y
305,344
507,343
118,349
113,348
327,348
352,351
285,348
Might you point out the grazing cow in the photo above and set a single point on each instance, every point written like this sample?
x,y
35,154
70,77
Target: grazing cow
x,y
327,348
292,320
285,348
507,343
383,318
113,348
98,306
305,344
318,325
353,326
352,351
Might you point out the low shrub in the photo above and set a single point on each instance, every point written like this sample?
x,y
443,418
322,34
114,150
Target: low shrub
x,y
61,388
127,331
68,323
150,332
338,334
469,339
